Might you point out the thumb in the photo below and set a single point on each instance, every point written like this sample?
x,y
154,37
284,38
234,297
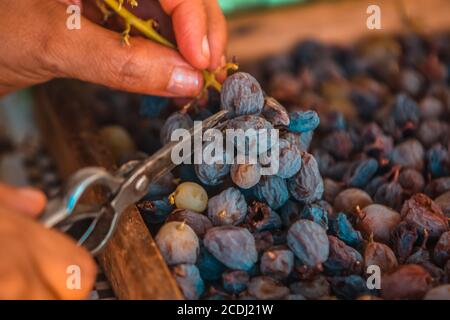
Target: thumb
x,y
23,200
95,54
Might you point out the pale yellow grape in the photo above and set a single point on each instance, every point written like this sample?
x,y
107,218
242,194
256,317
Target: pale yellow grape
x,y
190,196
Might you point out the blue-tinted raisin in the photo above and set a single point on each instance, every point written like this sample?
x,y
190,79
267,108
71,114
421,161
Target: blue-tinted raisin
x,y
272,190
303,121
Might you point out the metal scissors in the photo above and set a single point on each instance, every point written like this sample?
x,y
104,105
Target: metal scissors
x,y
124,187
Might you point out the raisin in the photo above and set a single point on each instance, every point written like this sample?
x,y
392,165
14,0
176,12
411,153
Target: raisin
x,y
349,287
341,227
379,254
309,242
198,222
409,154
349,199
235,281
189,281
178,120
439,293
379,221
233,246
307,184
245,176
403,239
242,94
342,259
423,213
303,121
227,208
315,288
262,218
277,262
442,249
275,113
267,288
407,282
177,243
272,190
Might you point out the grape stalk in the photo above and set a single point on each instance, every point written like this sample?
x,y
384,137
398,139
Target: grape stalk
x,y
148,29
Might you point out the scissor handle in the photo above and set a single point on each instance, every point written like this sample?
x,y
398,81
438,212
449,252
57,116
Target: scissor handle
x,y
60,209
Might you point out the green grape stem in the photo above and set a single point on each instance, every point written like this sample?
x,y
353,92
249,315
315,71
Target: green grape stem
x,y
147,29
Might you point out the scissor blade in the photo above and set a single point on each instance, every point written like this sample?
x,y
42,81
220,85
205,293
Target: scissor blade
x,y
161,162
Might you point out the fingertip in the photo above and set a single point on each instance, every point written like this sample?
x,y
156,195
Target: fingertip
x,y
28,201
196,52
34,201
206,51
217,33
190,24
88,269
74,270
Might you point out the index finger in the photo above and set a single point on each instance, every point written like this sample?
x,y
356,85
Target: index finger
x,y
189,19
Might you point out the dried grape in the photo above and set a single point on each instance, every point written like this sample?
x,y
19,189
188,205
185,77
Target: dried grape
x,y
309,242
227,208
233,246
178,243
272,190
307,184
242,94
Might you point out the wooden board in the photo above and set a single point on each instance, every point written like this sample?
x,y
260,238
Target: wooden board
x,y
255,35
131,261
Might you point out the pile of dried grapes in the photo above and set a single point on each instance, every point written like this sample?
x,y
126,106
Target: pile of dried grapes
x,y
371,188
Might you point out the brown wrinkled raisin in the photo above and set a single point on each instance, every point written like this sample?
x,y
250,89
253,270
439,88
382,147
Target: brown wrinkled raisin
x,y
411,181
267,288
439,293
447,269
380,255
261,217
331,189
348,200
423,213
342,259
441,252
378,220
315,288
198,222
443,201
263,241
407,282
403,239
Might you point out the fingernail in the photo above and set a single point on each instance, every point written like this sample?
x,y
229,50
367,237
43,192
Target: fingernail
x,y
184,81
205,48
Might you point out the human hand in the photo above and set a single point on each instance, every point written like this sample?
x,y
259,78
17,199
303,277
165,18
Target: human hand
x,y
37,46
34,260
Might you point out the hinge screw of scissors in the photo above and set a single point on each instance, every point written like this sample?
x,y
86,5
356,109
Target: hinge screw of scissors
x,y
142,184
